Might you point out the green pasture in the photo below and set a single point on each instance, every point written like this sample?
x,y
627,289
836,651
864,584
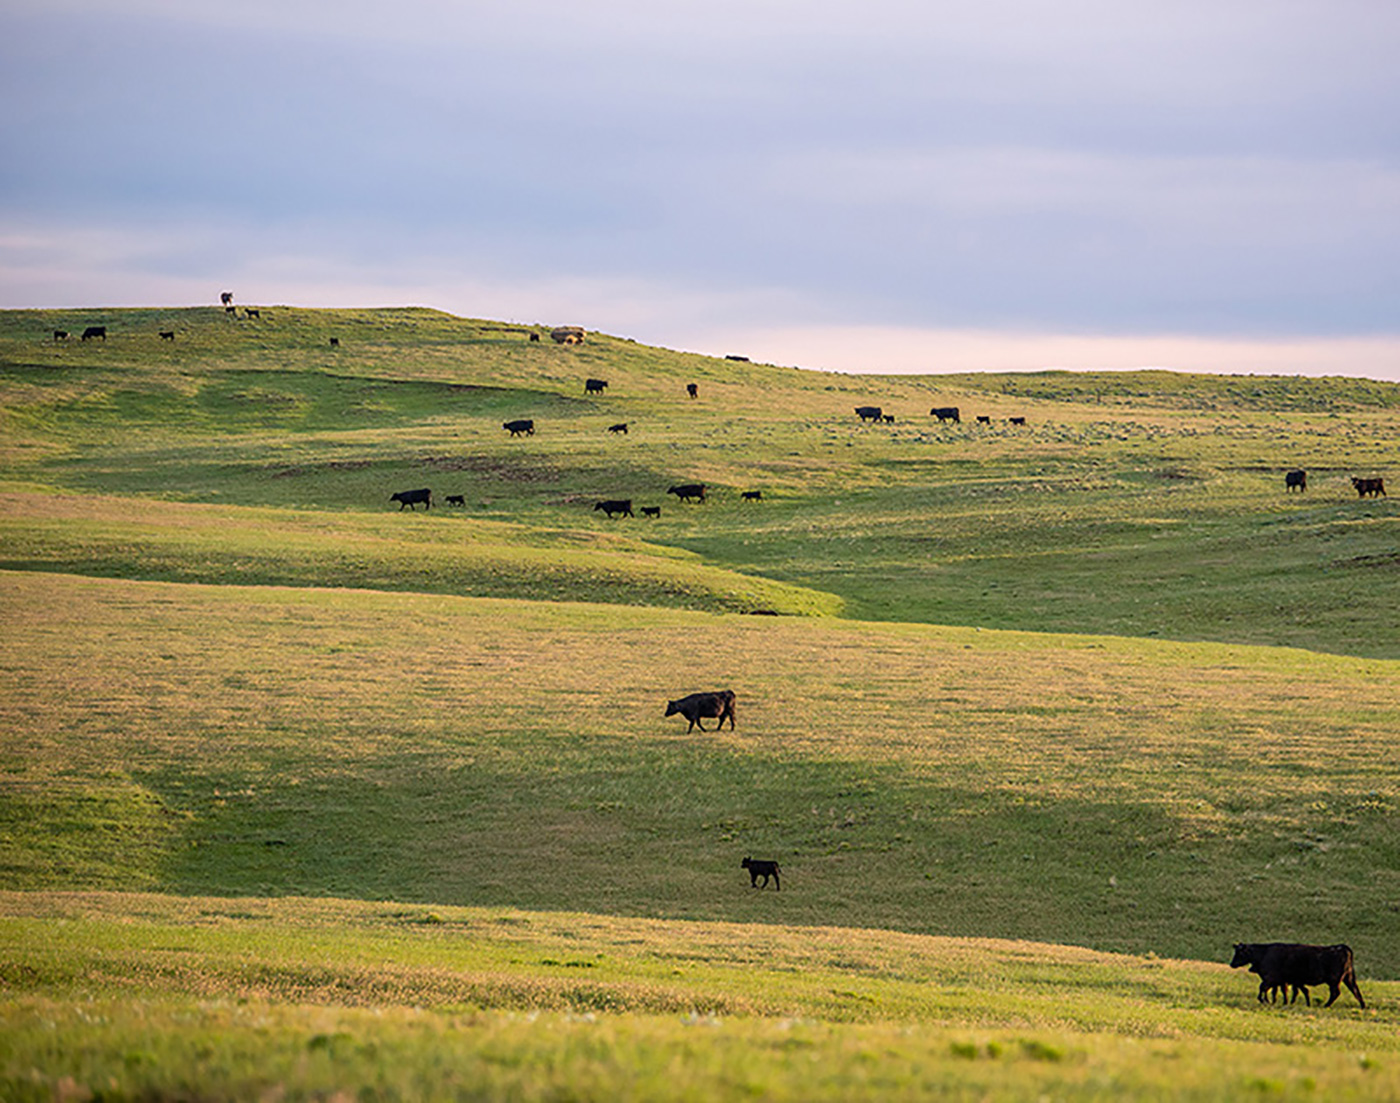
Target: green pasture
x,y
1145,503
303,796
1122,794
137,997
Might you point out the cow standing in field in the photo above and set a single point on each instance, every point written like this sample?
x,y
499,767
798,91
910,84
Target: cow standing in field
x,y
697,706
101,331
752,496
620,427
1295,480
688,491
1280,964
1016,420
615,506
520,425
1373,487
984,419
457,500
411,498
869,413
651,511
60,335
167,335
595,386
693,390
946,413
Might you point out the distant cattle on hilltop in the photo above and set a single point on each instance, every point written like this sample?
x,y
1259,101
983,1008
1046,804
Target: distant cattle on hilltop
x,y
567,335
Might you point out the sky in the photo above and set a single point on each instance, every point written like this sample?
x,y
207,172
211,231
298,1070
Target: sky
x,y
882,185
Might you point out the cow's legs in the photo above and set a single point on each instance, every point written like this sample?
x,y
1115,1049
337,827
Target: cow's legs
x,y
1355,991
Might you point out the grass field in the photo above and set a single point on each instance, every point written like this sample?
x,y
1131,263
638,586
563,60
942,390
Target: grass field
x,y
390,783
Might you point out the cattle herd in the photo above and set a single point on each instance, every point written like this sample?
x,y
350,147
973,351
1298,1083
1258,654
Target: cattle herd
x,y
1285,969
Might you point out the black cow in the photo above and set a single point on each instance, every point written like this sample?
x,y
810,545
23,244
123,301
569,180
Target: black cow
x,y
869,413
95,331
535,337
226,297
167,335
687,491
692,390
411,498
620,427
984,419
595,386
1295,480
946,413
759,867
60,335
741,359
651,511
231,310
335,342
698,705
1016,420
752,496
520,425
615,506
457,500
251,313
889,419
1373,487
1280,964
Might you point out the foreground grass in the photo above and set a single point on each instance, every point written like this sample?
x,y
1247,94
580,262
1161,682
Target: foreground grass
x,y
153,998
1127,795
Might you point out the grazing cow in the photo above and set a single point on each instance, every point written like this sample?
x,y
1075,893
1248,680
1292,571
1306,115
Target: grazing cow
x,y
1280,964
335,342
249,312
60,335
651,511
615,506
1295,480
594,386
752,496
167,335
869,413
1373,487
741,359
101,331
520,425
984,419
945,413
620,427
411,498
226,297
567,335
231,310
688,491
535,337
692,390
1016,420
457,500
759,867
695,706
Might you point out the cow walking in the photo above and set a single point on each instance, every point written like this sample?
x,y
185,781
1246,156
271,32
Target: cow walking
x,y
520,425
615,506
411,498
946,413
688,492
1280,964
869,413
595,386
1375,488
696,706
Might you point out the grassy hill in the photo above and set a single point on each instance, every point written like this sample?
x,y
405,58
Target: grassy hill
x,y
1095,681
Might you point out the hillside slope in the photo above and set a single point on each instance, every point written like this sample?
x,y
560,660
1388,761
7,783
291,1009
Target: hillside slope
x,y
1139,504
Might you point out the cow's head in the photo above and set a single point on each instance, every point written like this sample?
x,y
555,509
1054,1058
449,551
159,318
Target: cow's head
x,y
1245,953
672,707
